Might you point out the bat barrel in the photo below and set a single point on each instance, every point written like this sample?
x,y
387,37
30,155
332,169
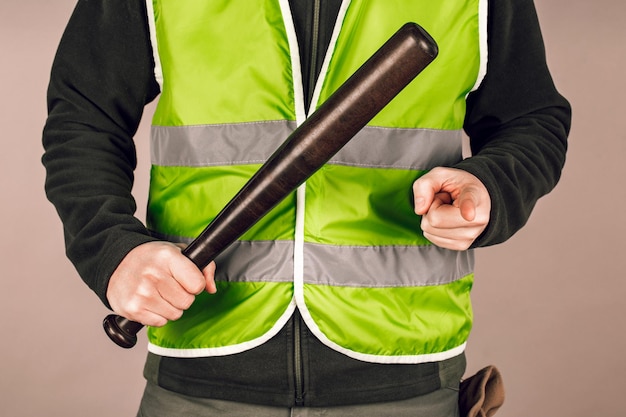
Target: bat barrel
x,y
308,148
319,138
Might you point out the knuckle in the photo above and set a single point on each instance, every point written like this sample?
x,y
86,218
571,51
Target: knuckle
x,y
434,222
159,322
145,291
175,315
133,308
187,301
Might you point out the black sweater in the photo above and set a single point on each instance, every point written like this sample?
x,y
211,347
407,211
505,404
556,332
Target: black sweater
x,y
102,78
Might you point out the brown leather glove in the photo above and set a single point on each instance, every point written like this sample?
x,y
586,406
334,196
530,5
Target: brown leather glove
x,y
482,394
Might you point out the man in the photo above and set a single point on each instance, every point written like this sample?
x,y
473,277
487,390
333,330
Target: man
x,y
342,300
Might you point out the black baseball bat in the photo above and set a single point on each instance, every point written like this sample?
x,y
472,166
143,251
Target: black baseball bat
x,y
308,148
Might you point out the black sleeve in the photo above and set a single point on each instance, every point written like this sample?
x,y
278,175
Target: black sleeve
x,y
516,120
101,79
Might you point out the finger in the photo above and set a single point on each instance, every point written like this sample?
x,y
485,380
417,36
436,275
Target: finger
x,y
149,308
424,190
440,200
462,212
444,226
164,310
187,274
463,232
148,318
443,215
452,243
174,293
159,316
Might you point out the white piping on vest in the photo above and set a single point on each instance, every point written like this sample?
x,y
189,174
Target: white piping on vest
x,y
158,70
483,10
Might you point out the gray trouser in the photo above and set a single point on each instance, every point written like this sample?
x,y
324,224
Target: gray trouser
x,y
158,402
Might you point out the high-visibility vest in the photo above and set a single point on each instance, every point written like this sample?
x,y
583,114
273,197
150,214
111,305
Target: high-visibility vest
x,y
346,249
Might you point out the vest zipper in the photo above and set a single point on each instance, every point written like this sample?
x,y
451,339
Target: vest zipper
x,y
297,359
315,39
297,342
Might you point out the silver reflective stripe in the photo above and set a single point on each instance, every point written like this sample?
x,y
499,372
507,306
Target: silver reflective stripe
x,y
256,261
422,149
253,143
224,144
346,266
351,266
385,266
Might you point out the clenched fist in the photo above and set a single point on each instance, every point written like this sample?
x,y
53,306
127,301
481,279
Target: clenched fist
x,y
156,283
454,205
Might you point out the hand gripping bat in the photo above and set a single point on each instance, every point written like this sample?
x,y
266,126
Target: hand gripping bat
x,y
311,145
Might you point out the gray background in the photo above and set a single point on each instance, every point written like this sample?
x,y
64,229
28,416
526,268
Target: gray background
x,y
548,303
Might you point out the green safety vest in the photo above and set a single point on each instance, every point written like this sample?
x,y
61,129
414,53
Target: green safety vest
x,y
346,249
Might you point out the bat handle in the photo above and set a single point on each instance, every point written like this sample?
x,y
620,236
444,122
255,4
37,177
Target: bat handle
x,y
121,330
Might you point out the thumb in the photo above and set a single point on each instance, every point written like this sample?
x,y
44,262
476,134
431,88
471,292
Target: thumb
x,y
467,204
209,278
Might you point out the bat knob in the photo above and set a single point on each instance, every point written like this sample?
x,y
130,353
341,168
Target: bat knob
x,y
121,330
